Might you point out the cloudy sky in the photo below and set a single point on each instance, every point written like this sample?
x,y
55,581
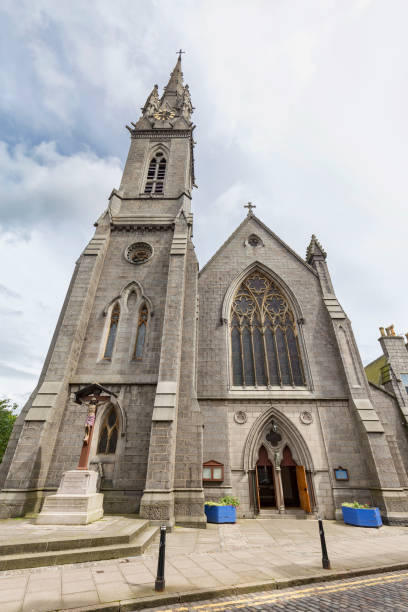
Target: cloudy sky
x,y
301,107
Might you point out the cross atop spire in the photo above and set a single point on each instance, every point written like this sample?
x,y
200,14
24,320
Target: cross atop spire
x,y
250,206
180,51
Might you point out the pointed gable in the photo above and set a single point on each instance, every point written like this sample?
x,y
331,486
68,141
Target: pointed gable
x,y
251,221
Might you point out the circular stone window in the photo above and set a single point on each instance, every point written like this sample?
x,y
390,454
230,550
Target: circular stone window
x,y
138,252
254,241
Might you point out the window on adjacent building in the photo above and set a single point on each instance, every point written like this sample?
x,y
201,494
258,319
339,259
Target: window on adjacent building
x,y
109,433
156,174
141,332
404,378
113,327
213,471
264,340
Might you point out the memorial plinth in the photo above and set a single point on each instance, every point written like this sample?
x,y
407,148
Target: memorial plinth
x,y
76,502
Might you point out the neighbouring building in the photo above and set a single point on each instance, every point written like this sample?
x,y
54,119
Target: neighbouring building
x,y
242,378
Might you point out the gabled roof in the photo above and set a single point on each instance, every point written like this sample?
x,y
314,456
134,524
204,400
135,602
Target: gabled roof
x,y
373,369
381,389
252,217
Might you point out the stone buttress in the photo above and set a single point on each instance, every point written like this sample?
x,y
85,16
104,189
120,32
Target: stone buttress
x,y
386,490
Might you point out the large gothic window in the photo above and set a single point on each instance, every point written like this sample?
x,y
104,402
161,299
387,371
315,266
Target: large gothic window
x,y
141,332
156,174
264,341
113,328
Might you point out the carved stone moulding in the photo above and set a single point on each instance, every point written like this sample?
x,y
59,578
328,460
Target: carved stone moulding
x,y
138,253
133,227
306,417
240,417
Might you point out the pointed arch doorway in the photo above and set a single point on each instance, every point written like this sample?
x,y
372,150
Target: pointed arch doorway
x,y
265,480
281,484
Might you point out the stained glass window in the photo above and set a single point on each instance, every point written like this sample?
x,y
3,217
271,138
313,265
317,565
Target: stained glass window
x,y
156,174
109,433
264,340
113,327
141,332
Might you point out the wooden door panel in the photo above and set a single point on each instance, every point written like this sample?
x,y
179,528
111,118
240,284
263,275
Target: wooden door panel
x,y
303,489
257,487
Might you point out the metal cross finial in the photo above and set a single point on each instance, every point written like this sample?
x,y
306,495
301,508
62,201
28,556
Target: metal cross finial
x,y
180,51
249,206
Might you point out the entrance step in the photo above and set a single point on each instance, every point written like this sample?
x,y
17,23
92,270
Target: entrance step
x,y
290,513
130,538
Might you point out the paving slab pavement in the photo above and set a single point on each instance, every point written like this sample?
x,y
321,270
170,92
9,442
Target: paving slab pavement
x,y
222,559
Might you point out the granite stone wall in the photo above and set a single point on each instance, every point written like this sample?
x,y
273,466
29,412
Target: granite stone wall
x,y
316,337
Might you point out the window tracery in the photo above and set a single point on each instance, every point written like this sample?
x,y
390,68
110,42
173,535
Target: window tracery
x,y
264,340
141,332
109,433
254,241
113,327
156,174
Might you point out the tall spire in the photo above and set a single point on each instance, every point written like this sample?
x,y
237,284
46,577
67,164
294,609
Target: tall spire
x,y
173,109
175,85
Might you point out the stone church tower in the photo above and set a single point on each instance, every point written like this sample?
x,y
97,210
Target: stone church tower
x,y
129,323
242,379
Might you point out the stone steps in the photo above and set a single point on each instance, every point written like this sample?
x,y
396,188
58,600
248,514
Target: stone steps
x,y
78,550
293,513
123,536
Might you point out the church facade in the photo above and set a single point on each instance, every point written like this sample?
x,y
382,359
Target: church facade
x,y
242,378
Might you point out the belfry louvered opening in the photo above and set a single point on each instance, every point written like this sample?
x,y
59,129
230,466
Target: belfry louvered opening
x,y
156,174
264,340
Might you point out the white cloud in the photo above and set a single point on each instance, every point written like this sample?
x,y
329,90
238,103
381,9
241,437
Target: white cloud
x,y
49,202
40,186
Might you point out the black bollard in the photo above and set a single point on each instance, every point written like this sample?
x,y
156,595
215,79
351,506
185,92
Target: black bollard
x,y
325,558
160,582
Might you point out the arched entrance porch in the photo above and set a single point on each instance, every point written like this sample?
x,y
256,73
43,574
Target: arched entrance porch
x,y
279,466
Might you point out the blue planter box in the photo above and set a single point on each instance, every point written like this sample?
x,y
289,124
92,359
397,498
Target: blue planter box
x,y
220,514
362,517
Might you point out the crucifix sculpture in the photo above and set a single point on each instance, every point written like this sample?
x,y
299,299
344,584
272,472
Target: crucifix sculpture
x,y
92,397
249,206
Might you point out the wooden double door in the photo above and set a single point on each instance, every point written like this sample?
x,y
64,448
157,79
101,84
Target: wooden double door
x,y
281,488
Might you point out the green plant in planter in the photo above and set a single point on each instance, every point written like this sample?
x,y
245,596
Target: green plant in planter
x,y
356,504
228,500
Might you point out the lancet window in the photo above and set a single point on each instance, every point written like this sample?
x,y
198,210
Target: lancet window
x,y
264,339
109,433
113,328
156,174
141,332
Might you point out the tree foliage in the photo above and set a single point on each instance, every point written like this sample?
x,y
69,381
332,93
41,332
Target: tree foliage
x,y
7,418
